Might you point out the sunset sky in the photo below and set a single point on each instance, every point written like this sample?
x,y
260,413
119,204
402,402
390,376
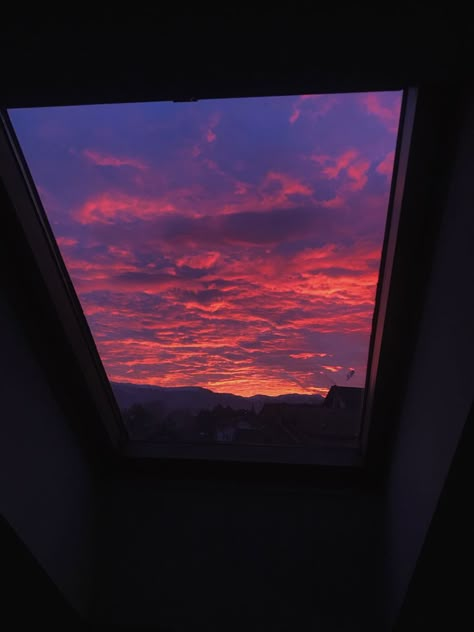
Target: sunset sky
x,y
231,244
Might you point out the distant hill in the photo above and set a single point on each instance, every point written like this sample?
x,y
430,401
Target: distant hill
x,y
195,398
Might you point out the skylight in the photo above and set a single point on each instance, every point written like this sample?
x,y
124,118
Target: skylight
x,y
225,253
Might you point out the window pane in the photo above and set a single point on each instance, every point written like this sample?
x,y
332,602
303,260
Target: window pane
x,y
226,255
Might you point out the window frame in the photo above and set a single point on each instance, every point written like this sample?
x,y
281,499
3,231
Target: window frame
x,y
48,259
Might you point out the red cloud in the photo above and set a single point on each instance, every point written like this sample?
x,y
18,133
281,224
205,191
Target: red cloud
x,y
213,338
276,190
105,160
199,261
268,306
110,207
348,163
225,270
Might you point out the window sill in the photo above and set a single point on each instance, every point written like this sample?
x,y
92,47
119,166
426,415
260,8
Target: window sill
x,y
328,454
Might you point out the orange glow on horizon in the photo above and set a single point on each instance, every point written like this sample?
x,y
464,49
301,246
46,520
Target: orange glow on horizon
x,y
243,387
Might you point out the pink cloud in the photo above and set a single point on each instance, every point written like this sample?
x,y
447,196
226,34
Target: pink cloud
x,y
357,172
66,242
385,168
295,115
214,121
121,253
106,160
211,136
314,105
274,191
340,163
387,114
352,166
331,369
289,185
336,202
241,188
320,159
107,207
195,151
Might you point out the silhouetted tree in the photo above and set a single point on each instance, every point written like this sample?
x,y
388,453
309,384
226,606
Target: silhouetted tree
x,y
138,420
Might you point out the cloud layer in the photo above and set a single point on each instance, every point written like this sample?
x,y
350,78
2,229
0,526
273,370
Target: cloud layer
x,y
230,244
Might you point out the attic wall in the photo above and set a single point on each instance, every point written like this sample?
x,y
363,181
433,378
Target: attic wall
x,y
46,486
441,383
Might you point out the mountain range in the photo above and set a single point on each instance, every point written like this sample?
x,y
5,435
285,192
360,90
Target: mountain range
x,y
196,398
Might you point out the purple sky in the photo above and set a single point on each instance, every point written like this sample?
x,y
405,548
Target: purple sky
x,y
232,244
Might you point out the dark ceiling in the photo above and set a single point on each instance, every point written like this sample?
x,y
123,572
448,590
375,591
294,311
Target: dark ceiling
x,y
150,56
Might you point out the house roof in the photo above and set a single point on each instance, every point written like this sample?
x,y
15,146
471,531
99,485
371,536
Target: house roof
x,y
349,397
